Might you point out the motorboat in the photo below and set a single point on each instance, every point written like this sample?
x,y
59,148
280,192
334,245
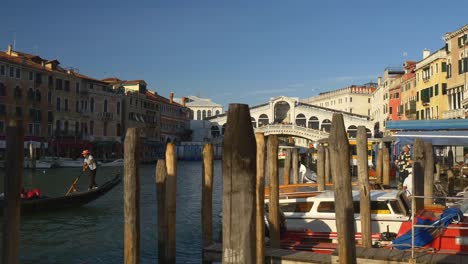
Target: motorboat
x,y
114,163
40,164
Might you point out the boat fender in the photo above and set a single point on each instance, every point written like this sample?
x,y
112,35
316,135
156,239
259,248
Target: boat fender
x,y
37,192
30,194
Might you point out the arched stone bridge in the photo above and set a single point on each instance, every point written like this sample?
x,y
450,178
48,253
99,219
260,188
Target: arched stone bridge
x,y
293,130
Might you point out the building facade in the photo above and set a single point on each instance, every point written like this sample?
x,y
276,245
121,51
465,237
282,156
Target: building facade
x,y
456,44
200,108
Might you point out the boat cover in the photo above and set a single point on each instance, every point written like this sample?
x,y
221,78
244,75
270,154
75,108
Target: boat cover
x,y
425,235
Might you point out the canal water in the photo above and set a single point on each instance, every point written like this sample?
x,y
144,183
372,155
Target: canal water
x,y
94,233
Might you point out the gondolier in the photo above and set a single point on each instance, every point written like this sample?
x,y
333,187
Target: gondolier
x,y
404,164
90,163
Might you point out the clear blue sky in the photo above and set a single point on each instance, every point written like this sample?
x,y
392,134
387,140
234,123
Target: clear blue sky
x,y
239,51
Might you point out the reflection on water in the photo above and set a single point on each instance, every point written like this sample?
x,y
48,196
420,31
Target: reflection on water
x,y
94,233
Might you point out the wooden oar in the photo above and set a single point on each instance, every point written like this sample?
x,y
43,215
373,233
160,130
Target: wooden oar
x,y
73,186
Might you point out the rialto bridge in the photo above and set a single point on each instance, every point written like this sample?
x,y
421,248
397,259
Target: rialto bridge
x,y
287,116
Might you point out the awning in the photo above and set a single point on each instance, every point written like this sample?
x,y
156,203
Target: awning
x,y
437,138
439,124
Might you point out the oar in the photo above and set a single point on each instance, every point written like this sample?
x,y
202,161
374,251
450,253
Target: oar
x,y
73,186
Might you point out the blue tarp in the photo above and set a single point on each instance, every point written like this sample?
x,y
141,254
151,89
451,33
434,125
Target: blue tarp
x,y
425,235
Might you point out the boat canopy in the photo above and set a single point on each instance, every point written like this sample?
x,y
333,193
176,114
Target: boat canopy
x,y
437,138
419,125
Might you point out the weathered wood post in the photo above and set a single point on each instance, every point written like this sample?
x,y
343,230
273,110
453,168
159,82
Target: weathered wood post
x,y
320,168
287,167
32,156
295,167
207,195
418,173
161,175
328,176
171,193
239,161
363,176
273,200
131,197
260,194
428,173
386,164
379,164
14,158
339,154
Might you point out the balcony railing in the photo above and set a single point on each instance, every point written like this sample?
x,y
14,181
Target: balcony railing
x,y
454,113
105,116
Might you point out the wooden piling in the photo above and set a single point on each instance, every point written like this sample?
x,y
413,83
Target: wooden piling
x,y
418,172
320,168
273,200
260,200
328,176
295,166
207,195
239,203
171,193
379,164
161,175
14,158
131,197
363,175
287,167
429,173
386,164
339,158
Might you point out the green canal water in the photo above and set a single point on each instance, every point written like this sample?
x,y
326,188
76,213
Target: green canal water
x,y
94,233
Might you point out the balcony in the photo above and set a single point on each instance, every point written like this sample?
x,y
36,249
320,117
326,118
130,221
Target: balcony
x,y
454,113
105,116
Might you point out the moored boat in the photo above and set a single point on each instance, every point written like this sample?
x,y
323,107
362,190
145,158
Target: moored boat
x,y
114,163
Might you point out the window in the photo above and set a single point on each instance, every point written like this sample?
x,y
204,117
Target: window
x,y
50,116
66,85
91,127
326,207
118,132
2,70
105,129
436,89
2,109
198,115
77,127
350,99
105,106
77,87
58,84
12,72
31,76
368,100
2,89
49,97
66,104
2,126
444,67
18,73
118,108
77,106
444,88
38,78
18,111
91,105
58,104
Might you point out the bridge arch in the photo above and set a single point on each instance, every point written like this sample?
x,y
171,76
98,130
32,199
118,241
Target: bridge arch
x,y
352,131
313,123
301,120
326,125
282,112
263,120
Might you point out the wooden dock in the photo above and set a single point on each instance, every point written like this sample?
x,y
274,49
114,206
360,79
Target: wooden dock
x,y
213,253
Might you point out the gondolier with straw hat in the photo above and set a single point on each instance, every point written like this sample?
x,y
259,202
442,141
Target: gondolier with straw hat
x,y
90,163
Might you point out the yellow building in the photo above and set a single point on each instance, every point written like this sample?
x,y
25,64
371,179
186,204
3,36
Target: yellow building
x,y
456,44
407,109
431,85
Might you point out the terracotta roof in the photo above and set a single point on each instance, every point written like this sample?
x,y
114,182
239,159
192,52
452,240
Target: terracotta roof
x,y
157,97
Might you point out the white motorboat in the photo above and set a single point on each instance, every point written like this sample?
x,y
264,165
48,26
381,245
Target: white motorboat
x,y
40,164
114,163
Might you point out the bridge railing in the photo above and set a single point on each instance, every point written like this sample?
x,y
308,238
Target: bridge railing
x,y
294,129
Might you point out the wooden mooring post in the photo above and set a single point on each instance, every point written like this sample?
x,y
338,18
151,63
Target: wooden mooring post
x,y
207,195
429,173
363,176
239,173
260,198
386,164
418,173
171,193
273,200
328,176
379,164
131,197
287,167
14,158
295,166
320,167
161,175
344,210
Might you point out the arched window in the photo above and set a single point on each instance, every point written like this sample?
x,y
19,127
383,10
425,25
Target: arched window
x,y
301,120
66,104
326,125
254,122
209,113
105,106
65,129
118,108
352,131
191,116
217,112
263,120
313,123
91,105
198,115
58,104
204,114
214,131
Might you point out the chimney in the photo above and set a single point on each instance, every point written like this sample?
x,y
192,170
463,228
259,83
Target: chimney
x,y
9,49
183,101
379,81
426,53
171,97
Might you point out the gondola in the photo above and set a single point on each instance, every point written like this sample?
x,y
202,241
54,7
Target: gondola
x,y
72,200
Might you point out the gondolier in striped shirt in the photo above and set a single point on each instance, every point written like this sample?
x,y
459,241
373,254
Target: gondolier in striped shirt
x,y
90,163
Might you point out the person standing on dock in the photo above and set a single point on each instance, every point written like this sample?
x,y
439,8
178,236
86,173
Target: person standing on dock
x,y
90,163
404,164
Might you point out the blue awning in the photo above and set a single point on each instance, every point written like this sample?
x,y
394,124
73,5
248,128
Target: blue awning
x,y
438,138
439,124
